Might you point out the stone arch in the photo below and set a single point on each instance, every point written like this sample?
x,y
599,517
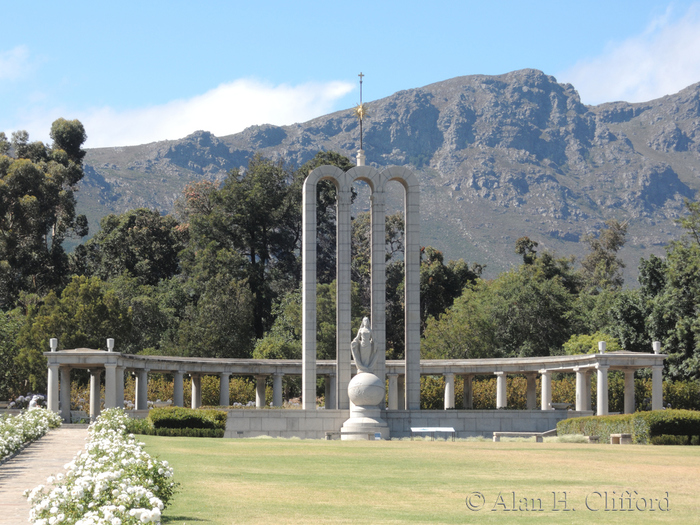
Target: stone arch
x,y
377,182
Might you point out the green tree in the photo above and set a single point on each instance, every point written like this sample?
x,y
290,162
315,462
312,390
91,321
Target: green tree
x,y
85,314
139,243
522,313
283,341
37,210
256,215
466,330
11,384
672,289
526,247
602,268
220,323
588,344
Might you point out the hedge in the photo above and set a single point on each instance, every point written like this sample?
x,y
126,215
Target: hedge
x,y
677,394
678,426
178,417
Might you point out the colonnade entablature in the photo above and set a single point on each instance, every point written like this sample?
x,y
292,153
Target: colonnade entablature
x,y
114,364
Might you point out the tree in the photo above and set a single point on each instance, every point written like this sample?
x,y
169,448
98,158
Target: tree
x,y
672,290
139,243
526,247
602,268
466,330
256,215
85,314
11,384
519,314
588,344
283,341
220,323
37,210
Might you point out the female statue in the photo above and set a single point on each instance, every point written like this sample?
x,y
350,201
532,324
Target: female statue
x,y
363,348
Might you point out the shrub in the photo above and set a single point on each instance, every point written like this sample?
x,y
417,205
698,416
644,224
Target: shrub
x,y
178,417
111,481
15,431
645,427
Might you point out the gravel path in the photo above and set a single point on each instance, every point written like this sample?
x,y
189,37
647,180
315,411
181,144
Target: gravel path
x,y
32,466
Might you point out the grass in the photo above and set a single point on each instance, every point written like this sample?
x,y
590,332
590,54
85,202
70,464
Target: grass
x,y
226,481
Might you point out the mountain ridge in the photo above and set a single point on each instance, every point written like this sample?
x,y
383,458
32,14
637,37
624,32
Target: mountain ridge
x,y
498,157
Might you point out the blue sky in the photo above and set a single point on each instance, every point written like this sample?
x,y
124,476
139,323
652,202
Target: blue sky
x,y
137,72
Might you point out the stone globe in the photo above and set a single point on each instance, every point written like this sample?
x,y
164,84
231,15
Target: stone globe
x,y
366,390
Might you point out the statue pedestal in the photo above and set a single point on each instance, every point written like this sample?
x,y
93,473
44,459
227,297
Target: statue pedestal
x,y
366,391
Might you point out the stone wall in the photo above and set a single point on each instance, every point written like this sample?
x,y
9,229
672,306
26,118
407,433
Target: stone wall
x,y
313,424
306,424
468,423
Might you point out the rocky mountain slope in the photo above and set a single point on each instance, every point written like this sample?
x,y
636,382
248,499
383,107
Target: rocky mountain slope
x,y
498,157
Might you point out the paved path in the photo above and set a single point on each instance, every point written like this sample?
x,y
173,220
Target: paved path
x,y
32,466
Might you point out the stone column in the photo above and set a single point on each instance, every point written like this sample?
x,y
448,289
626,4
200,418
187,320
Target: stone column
x,y
393,394
343,297
467,392
110,385
260,391
141,389
412,294
629,391
65,394
277,392
657,387
52,388
531,391
501,390
95,398
196,400
602,390
546,389
581,389
401,391
224,389
378,273
588,377
120,386
308,277
329,393
449,390
178,389
333,378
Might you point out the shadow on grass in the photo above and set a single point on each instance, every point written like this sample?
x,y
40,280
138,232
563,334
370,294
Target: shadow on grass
x,y
180,519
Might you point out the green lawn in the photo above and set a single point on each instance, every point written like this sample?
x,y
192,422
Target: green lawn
x,y
227,481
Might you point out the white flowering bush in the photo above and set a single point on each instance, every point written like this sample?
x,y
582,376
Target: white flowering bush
x,y
15,431
111,482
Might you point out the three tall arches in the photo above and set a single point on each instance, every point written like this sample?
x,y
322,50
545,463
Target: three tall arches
x,y
377,181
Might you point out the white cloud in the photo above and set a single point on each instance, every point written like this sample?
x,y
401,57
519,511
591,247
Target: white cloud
x,y
661,61
227,109
14,63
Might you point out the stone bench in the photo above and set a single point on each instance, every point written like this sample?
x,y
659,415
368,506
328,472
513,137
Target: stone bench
x,y
352,436
539,436
621,439
432,431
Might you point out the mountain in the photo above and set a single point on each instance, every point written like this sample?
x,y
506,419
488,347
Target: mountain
x,y
498,157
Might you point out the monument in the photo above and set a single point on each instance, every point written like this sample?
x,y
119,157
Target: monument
x,y
376,358
366,391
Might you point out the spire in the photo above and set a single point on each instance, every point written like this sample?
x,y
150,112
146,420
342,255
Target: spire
x,y
360,112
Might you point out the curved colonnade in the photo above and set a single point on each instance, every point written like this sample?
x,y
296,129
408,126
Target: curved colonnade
x,y
114,365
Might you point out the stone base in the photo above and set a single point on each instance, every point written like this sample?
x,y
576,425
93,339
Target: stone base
x,y
364,424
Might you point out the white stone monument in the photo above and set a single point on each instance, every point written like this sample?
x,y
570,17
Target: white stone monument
x,y
366,391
